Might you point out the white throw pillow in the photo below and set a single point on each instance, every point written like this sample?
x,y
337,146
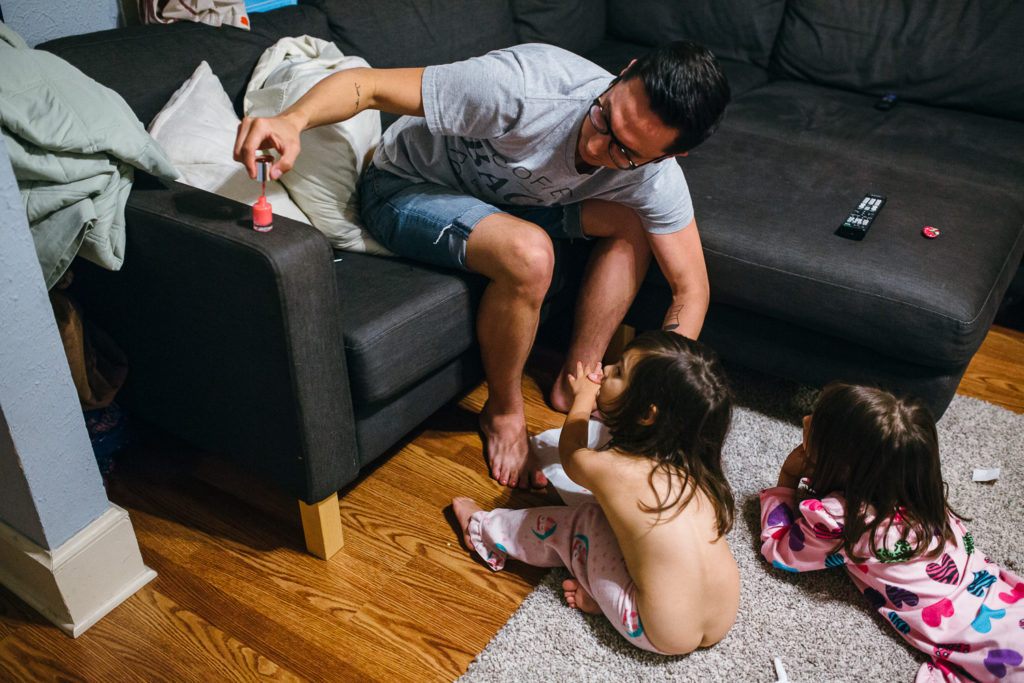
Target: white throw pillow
x,y
323,179
197,128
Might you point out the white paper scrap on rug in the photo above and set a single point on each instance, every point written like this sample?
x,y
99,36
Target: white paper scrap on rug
x,y
816,622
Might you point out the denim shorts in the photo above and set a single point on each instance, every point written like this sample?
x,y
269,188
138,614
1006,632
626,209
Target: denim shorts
x,y
431,223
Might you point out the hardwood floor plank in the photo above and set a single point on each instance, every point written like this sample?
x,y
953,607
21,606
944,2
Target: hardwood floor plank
x,y
443,651
145,638
34,654
288,639
996,373
188,646
14,613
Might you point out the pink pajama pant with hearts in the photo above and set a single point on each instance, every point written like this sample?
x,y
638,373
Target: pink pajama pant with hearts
x,y
578,538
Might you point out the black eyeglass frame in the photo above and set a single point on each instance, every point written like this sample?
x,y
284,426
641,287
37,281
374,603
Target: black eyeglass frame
x,y
613,142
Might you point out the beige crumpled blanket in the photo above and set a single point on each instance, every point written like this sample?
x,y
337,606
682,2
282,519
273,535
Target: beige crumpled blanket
x,y
213,12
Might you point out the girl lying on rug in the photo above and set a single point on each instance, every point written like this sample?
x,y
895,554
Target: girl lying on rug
x,y
650,551
876,505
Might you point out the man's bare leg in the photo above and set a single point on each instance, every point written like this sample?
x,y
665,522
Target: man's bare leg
x,y
519,259
611,280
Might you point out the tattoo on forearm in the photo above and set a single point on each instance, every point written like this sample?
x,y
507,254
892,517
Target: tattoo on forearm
x,y
672,318
357,96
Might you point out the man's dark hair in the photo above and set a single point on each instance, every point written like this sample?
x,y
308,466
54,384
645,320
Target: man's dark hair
x,y
687,89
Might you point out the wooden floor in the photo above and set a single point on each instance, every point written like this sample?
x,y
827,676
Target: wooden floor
x,y
236,597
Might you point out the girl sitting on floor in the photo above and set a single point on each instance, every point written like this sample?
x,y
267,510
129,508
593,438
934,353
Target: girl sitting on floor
x,y
650,552
876,505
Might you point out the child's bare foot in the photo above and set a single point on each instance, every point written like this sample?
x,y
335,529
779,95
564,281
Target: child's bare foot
x,y
579,598
464,509
507,447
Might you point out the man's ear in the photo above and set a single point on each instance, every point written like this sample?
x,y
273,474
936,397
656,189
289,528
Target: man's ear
x,y
631,63
649,416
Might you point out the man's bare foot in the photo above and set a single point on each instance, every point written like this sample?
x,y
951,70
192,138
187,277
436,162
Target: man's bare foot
x,y
464,509
508,450
561,394
579,598
562,397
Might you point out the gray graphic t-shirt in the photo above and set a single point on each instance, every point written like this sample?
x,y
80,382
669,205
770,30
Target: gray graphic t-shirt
x,y
503,127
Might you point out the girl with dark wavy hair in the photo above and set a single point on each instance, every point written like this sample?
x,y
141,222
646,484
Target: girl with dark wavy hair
x,y
650,552
875,504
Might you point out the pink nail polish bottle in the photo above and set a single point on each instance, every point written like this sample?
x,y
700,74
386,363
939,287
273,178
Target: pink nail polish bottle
x,y
262,215
262,212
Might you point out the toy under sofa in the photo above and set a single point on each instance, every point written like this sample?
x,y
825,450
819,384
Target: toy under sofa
x,y
303,366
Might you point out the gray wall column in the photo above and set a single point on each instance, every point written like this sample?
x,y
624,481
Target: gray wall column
x,y
50,485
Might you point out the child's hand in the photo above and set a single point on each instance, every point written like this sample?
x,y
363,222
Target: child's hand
x,y
587,379
797,466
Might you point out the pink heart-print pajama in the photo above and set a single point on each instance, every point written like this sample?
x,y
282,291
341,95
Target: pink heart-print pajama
x,y
578,538
958,607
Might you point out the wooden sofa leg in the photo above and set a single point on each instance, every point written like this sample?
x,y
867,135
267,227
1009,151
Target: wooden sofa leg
x,y
321,524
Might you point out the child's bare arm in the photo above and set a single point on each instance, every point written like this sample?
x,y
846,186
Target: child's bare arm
x,y
797,466
573,442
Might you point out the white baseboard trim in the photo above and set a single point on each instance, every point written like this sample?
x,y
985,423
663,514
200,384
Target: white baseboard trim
x,y
77,584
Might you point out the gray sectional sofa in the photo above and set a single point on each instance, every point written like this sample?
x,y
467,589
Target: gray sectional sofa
x,y
304,366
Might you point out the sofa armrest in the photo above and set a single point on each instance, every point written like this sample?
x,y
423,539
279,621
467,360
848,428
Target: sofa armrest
x,y
233,337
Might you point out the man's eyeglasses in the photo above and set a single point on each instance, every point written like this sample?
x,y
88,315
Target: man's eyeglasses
x,y
619,156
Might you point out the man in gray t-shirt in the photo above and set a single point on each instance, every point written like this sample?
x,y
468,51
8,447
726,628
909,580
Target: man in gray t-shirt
x,y
503,127
497,155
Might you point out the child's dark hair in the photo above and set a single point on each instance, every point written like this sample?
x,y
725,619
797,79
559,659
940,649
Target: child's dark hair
x,y
881,451
685,383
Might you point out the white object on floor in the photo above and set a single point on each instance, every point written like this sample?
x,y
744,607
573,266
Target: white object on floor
x,y
545,446
986,475
780,672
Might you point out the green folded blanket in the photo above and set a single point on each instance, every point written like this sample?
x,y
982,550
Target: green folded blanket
x,y
73,146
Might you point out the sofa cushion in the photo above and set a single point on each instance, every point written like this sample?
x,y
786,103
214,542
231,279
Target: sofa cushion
x,y
155,70
956,53
402,321
960,147
791,159
397,33
576,25
734,29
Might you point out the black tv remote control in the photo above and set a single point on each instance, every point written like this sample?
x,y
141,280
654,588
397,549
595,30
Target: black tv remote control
x,y
857,223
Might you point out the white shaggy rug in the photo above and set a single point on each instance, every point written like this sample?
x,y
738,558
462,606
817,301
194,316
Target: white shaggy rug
x,y
817,623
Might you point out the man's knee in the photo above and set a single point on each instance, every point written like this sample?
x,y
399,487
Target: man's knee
x,y
512,250
532,255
